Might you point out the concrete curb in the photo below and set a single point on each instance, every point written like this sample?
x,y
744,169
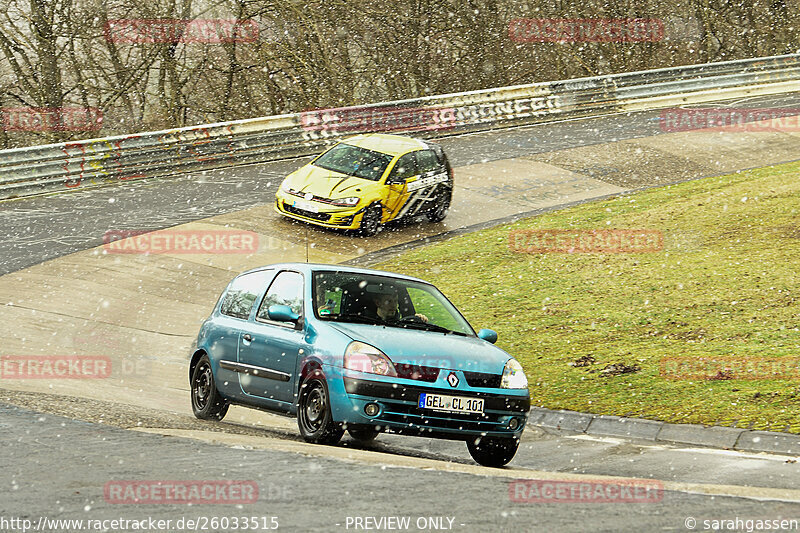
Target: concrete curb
x,y
639,428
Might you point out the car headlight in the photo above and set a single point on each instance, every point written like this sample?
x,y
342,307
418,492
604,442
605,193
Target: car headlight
x,y
365,358
513,376
288,190
346,202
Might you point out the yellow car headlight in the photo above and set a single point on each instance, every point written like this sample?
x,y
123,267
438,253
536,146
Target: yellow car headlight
x,y
288,190
346,202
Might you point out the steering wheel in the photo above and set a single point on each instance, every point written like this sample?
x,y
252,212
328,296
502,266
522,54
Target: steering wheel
x,y
412,318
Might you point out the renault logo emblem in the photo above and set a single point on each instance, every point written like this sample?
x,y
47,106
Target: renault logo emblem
x,y
452,379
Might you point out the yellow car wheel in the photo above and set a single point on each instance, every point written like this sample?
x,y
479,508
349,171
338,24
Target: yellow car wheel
x,y
371,221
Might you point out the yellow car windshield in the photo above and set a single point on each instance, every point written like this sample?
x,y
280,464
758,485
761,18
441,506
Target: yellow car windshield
x,y
354,161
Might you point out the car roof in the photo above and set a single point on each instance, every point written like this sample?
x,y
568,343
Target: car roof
x,y
386,143
309,267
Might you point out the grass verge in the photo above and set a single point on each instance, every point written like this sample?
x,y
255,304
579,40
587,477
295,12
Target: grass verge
x,y
691,325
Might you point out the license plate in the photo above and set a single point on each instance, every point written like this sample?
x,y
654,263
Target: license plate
x,y
453,404
305,206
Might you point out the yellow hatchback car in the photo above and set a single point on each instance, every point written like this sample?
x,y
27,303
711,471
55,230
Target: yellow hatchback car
x,y
368,180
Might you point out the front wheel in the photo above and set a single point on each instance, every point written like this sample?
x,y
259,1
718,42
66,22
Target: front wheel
x,y
371,221
207,402
314,416
493,451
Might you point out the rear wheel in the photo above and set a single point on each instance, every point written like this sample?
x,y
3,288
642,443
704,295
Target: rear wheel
x,y
371,221
207,402
314,416
493,451
438,212
363,433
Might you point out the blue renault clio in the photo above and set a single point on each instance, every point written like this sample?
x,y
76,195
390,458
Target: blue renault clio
x,y
358,350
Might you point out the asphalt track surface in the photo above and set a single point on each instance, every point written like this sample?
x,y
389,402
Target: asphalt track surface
x,y
41,228
57,467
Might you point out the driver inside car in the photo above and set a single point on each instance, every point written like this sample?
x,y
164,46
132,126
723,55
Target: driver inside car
x,y
386,306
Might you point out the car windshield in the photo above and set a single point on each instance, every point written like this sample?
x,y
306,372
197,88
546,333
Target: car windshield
x,y
354,161
385,301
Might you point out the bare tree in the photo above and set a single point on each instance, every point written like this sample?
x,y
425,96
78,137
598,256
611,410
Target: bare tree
x,y
330,53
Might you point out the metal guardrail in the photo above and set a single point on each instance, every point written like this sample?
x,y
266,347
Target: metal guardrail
x,y
72,165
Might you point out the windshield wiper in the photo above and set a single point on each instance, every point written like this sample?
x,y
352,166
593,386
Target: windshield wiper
x,y
428,327
352,317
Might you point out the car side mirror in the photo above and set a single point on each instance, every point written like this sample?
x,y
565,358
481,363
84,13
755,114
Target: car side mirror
x,y
282,313
486,334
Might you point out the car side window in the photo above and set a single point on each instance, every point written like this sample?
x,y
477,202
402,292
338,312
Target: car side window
x,y
427,161
405,167
242,294
286,289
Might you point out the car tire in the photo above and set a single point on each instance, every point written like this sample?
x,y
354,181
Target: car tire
x,y
314,417
439,211
207,402
493,451
371,221
363,432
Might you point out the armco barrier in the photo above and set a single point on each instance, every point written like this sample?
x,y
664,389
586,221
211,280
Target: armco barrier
x,y
39,169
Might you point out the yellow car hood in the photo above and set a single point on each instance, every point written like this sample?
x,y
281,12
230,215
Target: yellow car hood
x,y
326,183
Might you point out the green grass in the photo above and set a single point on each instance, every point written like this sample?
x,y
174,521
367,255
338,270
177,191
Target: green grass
x,y
725,285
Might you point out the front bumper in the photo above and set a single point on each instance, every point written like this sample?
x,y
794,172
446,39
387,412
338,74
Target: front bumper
x,y
341,218
399,411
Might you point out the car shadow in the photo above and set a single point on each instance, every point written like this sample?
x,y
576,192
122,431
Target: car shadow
x,y
346,442
393,449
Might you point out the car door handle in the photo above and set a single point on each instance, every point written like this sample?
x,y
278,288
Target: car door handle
x,y
247,337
